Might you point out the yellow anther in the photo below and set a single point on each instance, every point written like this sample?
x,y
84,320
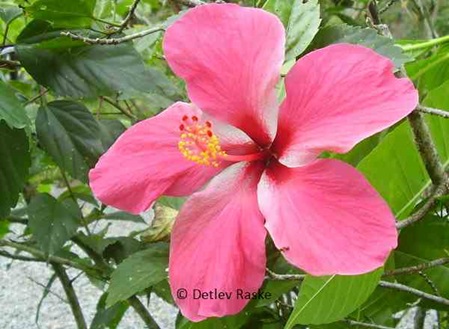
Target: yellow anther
x,y
198,143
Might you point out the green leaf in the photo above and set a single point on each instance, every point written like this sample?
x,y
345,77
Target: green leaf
x,y
11,110
431,72
108,317
14,164
327,299
403,178
4,228
110,130
51,222
420,243
72,68
67,14
138,272
70,134
359,36
122,215
301,20
10,13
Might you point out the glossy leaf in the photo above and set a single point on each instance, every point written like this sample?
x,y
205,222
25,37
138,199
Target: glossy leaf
x,y
51,222
67,14
327,299
138,272
70,134
108,317
72,68
360,36
301,20
11,110
14,164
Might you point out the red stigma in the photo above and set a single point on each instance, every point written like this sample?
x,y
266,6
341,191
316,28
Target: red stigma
x,y
184,118
181,127
209,133
194,118
208,124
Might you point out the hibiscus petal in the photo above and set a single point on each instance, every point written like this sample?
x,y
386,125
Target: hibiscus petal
x,y
326,218
336,97
230,57
145,162
218,244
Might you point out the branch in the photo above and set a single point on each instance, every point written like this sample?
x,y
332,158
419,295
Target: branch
x,y
128,17
418,268
42,257
285,277
427,148
421,133
71,296
137,305
365,324
429,110
422,212
118,107
112,41
191,3
413,291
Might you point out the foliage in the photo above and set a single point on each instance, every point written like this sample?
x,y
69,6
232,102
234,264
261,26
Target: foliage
x,y
63,103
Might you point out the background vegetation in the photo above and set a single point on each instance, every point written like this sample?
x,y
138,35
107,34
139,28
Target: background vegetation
x,y
75,74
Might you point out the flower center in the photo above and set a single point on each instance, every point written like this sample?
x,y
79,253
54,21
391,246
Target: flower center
x,y
198,143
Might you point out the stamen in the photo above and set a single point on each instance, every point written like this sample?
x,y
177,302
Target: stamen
x,y
198,143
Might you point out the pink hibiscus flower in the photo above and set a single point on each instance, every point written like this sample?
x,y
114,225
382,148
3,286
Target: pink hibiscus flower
x,y
321,213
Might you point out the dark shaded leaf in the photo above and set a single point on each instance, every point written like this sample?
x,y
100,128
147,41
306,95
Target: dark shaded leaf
x,y
108,318
11,110
138,272
70,134
359,36
51,222
14,164
67,14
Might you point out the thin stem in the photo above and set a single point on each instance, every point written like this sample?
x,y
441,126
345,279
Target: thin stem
x,y
417,268
120,108
422,212
128,17
427,148
71,296
33,99
432,111
41,256
137,305
426,44
105,22
366,325
112,41
284,277
413,291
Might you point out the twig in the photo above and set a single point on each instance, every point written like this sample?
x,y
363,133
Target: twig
x,y
191,3
19,257
41,93
9,64
365,324
120,108
421,133
422,212
387,6
427,148
429,110
47,289
41,256
137,305
71,296
413,291
128,17
285,277
112,41
417,268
